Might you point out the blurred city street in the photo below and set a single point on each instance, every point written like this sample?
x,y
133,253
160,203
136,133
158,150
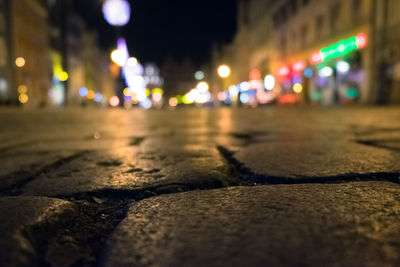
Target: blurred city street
x,y
276,186
199,133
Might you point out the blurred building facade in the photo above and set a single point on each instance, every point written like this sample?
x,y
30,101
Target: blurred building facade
x,y
6,66
47,55
387,42
26,57
178,76
327,52
77,60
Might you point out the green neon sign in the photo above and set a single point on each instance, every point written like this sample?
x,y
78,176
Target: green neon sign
x,y
339,49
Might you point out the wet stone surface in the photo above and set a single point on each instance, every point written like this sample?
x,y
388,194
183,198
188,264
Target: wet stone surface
x,y
114,187
352,224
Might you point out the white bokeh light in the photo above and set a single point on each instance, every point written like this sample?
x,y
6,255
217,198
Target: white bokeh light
x,y
269,82
117,12
343,67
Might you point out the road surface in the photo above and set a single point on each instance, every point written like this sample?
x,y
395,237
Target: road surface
x,y
200,187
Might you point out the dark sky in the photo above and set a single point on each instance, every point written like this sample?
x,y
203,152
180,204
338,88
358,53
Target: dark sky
x,y
159,28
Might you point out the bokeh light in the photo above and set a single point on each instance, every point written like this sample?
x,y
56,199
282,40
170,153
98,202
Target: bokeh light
x,y
146,104
343,67
90,94
316,58
298,88
199,75
114,101
308,73
244,98
22,89
244,86
23,98
299,66
326,72
269,82
118,57
83,91
284,71
221,96
132,62
63,76
203,87
98,98
173,102
20,62
117,12
224,71
127,92
233,91
361,40
157,97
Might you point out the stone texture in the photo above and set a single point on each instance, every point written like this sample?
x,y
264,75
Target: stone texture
x,y
24,220
322,158
352,224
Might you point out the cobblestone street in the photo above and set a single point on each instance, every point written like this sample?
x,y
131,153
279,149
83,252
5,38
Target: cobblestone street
x,y
233,187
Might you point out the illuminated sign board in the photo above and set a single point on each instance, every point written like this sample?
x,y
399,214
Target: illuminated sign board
x,y
341,48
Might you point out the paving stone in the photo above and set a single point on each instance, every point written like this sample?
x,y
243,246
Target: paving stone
x,y
16,168
352,224
24,221
317,159
188,166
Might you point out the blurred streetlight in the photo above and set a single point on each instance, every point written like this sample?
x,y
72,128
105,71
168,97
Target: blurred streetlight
x,y
224,71
203,87
20,62
118,58
132,62
117,12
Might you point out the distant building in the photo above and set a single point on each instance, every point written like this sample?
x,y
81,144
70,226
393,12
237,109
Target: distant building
x,y
23,24
178,76
59,11
75,44
47,55
152,76
327,52
387,32
7,94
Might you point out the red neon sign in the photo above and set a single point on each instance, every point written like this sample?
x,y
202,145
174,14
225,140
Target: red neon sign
x,y
361,40
316,58
284,71
299,66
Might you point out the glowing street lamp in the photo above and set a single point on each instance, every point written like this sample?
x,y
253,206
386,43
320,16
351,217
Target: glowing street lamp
x,y
120,56
20,62
132,62
117,12
224,71
203,87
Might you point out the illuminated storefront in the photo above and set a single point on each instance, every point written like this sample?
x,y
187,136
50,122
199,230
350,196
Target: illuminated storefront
x,y
338,74
332,75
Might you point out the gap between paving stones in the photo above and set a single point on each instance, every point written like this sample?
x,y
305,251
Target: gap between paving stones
x,y
378,144
239,169
26,177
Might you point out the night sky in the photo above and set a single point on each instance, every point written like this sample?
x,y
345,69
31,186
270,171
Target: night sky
x,y
159,28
